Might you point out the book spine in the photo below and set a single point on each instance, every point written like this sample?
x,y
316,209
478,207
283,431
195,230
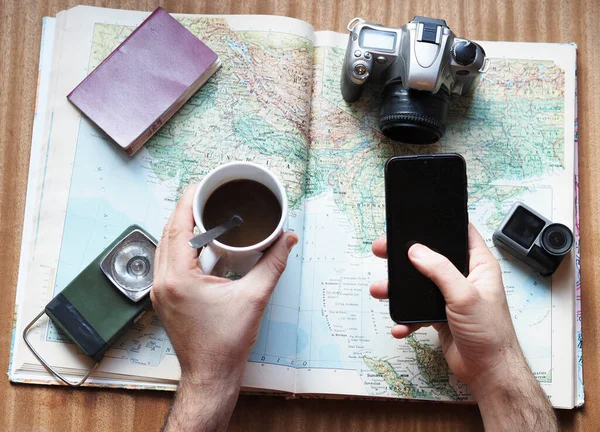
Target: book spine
x,y
154,127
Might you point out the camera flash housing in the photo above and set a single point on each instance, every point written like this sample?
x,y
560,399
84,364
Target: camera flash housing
x,y
531,237
129,265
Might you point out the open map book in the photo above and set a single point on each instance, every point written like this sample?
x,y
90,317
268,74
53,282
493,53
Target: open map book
x,y
276,101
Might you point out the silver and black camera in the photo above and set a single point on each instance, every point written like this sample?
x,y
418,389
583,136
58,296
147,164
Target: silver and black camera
x,y
419,66
531,237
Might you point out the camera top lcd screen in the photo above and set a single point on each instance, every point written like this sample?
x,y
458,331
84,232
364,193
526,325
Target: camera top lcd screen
x,y
379,40
523,227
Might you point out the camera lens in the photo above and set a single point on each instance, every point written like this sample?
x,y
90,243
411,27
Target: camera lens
x,y
413,116
557,239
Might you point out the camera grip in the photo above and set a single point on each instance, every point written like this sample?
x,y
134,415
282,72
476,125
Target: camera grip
x,y
209,257
350,91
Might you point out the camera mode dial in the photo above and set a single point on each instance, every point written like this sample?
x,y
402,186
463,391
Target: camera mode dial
x,y
464,53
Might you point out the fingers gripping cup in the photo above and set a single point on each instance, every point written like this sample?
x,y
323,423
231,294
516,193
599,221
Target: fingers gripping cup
x,y
247,190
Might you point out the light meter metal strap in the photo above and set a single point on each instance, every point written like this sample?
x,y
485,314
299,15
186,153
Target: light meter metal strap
x,y
46,365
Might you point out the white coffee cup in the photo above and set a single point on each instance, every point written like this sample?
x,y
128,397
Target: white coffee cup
x,y
236,259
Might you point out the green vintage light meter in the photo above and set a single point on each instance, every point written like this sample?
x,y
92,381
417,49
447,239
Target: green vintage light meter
x,y
105,298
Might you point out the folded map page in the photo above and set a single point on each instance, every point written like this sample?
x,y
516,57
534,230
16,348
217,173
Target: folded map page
x,y
276,101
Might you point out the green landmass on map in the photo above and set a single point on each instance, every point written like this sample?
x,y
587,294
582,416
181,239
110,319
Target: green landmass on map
x,y
433,367
433,370
395,382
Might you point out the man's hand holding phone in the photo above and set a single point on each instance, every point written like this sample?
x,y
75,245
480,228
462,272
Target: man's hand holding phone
x,y
479,340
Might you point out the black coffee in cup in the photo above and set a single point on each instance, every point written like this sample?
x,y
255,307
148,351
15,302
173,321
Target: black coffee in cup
x,y
258,207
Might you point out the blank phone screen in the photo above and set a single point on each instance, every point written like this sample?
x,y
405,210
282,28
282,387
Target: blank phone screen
x,y
426,202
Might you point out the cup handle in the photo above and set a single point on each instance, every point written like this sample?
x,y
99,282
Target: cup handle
x,y
209,257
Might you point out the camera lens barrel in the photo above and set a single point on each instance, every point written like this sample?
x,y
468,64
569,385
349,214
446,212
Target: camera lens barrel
x,y
557,239
413,116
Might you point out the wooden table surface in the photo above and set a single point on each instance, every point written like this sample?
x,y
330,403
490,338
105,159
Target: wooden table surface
x,y
36,408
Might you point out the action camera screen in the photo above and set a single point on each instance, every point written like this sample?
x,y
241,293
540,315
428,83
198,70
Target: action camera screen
x,y
523,227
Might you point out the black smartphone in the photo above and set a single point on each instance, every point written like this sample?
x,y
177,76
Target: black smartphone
x,y
425,202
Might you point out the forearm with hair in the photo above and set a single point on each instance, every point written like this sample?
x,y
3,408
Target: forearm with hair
x,y
515,402
202,406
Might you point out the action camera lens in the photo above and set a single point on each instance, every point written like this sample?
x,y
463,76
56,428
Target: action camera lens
x,y
557,239
413,116
132,265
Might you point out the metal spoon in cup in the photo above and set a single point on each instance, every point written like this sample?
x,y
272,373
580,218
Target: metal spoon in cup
x,y
210,235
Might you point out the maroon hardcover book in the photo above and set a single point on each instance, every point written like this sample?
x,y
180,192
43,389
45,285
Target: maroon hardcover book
x,y
143,82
